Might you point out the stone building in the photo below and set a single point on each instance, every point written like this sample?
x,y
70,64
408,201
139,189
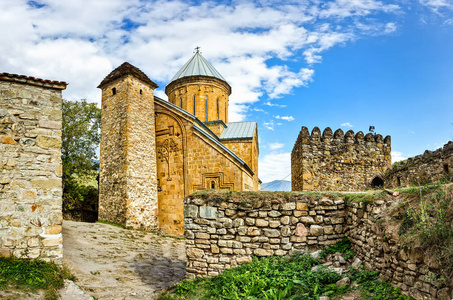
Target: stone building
x,y
30,167
156,152
339,162
431,166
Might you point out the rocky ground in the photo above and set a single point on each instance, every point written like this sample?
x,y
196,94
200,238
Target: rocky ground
x,y
114,263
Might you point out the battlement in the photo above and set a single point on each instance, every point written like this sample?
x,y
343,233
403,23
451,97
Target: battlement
x,y
338,161
350,137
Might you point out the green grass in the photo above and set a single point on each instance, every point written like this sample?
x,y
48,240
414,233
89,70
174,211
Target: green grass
x,y
344,246
32,275
282,277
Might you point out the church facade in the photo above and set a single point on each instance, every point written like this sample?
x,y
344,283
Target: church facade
x,y
156,152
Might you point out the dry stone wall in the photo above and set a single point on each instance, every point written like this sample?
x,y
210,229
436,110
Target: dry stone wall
x,y
415,273
30,168
338,162
224,233
430,166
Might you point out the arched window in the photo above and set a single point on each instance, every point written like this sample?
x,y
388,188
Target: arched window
x,y
206,109
377,183
194,105
213,185
180,102
113,91
217,108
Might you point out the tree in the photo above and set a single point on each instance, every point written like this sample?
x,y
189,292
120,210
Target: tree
x,y
80,140
80,137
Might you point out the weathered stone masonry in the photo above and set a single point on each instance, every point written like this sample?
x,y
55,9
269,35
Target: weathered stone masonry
x,y
223,233
30,167
430,166
338,162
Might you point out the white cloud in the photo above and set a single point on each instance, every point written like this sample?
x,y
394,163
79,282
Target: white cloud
x,y
347,124
286,118
275,166
397,156
275,146
82,41
268,103
436,5
269,125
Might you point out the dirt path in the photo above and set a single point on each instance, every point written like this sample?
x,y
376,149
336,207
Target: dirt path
x,y
115,263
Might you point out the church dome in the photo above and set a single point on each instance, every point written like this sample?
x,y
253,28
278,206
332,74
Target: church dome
x,y
197,66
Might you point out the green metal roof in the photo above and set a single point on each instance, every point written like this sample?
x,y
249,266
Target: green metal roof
x,y
238,130
197,66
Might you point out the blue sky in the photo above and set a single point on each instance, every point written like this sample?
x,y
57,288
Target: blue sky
x,y
342,64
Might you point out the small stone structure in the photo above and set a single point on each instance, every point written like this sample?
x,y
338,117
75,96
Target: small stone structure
x,y
222,232
430,166
30,167
339,162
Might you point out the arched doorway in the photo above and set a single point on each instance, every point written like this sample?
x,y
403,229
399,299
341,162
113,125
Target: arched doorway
x,y
377,182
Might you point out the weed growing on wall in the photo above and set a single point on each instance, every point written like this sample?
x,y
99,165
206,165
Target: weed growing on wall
x,y
427,223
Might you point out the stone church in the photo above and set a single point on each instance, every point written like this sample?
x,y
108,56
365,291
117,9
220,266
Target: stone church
x,y
156,152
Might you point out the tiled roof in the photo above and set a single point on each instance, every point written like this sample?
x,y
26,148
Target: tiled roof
x,y
238,130
197,66
127,69
33,80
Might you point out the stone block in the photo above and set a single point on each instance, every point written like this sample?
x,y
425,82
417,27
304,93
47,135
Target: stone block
x,y
316,230
274,214
301,230
202,235
274,224
307,220
48,142
289,206
263,252
302,206
52,242
208,212
194,253
271,232
261,223
285,220
191,211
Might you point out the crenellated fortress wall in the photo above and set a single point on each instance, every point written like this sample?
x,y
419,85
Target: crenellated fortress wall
x,y
338,161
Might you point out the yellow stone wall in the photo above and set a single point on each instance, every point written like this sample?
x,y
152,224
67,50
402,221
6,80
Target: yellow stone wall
x,y
195,163
247,150
182,93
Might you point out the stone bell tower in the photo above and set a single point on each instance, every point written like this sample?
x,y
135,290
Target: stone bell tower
x,y
199,89
128,178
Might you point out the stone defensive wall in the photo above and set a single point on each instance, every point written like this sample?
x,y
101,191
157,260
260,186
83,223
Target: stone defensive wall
x,y
410,269
30,168
225,230
430,166
338,161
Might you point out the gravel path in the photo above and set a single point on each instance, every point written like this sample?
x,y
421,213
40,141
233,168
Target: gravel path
x,y
115,263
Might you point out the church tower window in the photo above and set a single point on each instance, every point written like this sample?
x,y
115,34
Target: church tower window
x,y
218,108
180,102
194,105
206,108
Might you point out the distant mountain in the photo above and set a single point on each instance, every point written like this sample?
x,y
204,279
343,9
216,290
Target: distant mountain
x,y
277,185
